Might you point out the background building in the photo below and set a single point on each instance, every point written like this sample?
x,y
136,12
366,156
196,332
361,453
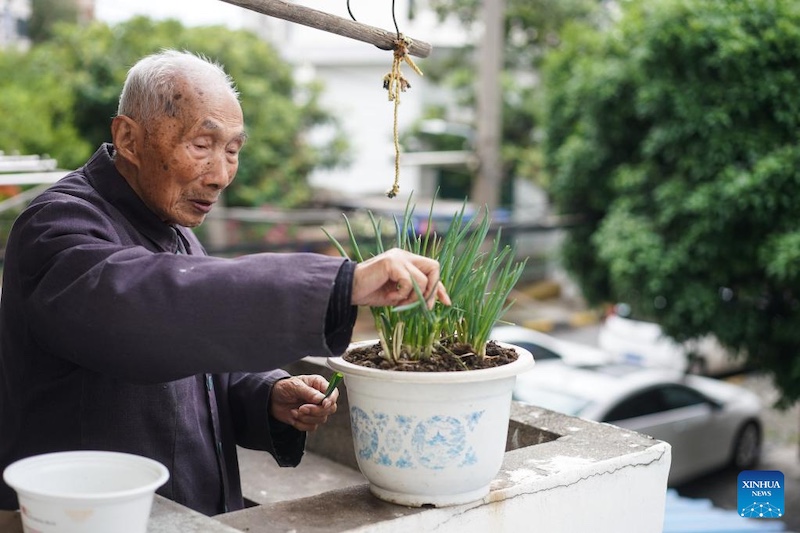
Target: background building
x,y
14,16
85,10
352,73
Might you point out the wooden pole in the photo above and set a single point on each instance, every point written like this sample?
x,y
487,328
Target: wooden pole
x,y
486,189
331,23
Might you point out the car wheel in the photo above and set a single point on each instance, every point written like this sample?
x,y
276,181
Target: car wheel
x,y
747,447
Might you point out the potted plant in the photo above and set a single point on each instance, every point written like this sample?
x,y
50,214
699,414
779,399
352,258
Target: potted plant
x,y
430,399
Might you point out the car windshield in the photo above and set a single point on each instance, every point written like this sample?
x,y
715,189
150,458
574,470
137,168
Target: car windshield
x,y
552,400
539,353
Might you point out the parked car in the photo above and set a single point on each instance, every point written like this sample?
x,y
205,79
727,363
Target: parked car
x,y
710,423
546,348
644,343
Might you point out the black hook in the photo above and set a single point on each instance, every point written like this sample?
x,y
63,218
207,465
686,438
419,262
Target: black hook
x,y
394,19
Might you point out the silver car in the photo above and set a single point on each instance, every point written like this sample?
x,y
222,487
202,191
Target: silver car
x,y
644,343
546,348
710,424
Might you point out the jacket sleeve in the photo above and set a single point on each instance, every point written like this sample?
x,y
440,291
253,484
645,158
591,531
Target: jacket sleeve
x,y
249,397
121,309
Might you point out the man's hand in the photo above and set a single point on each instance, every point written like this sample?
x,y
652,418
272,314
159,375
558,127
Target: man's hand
x,y
386,280
296,401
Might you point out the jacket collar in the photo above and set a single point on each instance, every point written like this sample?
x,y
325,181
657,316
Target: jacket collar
x,y
112,186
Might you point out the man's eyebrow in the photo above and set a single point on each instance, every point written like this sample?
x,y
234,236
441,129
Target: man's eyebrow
x,y
213,125
209,124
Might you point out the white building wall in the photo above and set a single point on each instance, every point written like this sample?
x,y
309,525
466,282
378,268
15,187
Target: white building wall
x,y
14,15
352,72
355,93
85,11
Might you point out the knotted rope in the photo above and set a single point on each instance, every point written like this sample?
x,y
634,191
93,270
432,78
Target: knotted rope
x,y
395,83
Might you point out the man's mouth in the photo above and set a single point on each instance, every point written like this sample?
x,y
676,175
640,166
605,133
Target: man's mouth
x,y
202,205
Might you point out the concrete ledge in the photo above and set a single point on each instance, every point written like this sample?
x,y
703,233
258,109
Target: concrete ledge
x,y
594,477
166,516
560,474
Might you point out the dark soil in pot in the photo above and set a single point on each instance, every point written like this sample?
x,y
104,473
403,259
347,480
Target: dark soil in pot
x,y
448,357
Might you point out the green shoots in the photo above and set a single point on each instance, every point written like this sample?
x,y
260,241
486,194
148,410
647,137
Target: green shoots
x,y
479,279
335,379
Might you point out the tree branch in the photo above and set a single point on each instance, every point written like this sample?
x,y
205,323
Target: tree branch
x,y
331,23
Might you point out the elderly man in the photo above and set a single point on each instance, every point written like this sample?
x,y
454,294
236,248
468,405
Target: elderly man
x,y
119,333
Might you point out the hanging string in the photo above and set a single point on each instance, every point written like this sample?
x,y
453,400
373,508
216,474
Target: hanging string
x,y
350,12
395,83
394,17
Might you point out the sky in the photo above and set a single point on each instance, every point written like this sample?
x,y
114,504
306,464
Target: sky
x,y
190,12
206,12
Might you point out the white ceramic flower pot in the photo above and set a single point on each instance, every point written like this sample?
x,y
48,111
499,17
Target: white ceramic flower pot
x,y
430,438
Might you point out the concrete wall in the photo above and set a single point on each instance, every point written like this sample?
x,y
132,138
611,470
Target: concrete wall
x,y
561,474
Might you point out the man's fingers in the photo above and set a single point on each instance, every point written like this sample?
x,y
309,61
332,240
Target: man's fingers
x,y
404,289
306,422
389,279
431,292
442,295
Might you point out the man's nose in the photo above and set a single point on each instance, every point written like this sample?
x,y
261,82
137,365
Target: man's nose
x,y
221,171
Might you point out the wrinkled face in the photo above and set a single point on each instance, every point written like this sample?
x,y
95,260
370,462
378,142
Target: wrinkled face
x,y
188,159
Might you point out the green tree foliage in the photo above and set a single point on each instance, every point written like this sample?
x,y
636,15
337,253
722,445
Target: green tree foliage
x,y
64,92
532,29
38,114
675,135
46,14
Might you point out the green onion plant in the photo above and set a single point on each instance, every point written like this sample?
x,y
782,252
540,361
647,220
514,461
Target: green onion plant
x,y
479,279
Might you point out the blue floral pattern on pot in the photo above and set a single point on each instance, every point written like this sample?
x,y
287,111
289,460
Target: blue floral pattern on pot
x,y
401,441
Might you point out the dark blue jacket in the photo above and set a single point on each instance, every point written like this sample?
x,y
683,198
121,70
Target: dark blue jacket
x,y
111,341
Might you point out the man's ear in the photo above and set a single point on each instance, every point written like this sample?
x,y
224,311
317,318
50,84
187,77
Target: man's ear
x,y
127,138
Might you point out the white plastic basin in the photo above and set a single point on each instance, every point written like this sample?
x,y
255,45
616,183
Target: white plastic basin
x,y
86,491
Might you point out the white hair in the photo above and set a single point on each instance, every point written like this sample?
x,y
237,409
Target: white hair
x,y
149,88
